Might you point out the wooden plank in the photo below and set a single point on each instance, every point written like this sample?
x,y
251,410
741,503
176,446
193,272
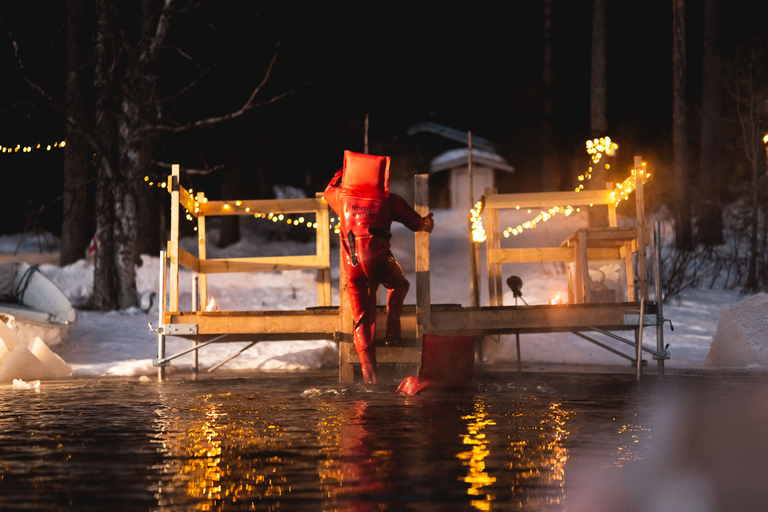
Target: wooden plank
x,y
346,324
262,264
188,202
173,243
642,262
548,254
423,293
582,265
320,323
495,292
188,260
265,206
201,252
324,253
549,199
543,318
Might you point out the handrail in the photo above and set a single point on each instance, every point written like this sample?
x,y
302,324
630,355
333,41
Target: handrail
x,y
199,207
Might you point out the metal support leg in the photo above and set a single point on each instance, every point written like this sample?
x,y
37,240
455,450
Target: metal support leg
x,y
195,307
659,294
161,311
639,351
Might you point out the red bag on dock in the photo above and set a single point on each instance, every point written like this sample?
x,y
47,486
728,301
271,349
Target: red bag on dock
x,y
446,362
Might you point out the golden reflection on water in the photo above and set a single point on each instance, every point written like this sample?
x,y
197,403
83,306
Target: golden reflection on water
x,y
342,455
211,457
474,458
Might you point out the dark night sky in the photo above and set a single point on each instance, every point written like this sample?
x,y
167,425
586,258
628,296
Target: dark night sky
x,y
472,67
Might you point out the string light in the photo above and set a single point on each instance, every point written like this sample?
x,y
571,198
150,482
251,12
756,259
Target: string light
x,y
599,147
29,149
543,216
478,232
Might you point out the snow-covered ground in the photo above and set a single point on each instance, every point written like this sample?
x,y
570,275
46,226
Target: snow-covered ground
x,y
120,342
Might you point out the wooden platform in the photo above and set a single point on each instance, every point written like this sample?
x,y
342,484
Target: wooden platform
x,y
326,322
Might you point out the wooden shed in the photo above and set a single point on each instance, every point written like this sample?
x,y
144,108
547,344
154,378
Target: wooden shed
x,y
449,180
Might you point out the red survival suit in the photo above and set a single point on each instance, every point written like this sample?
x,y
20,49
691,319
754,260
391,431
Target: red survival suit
x,y
359,194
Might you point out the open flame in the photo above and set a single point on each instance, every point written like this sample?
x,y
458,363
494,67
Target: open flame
x,y
556,300
212,306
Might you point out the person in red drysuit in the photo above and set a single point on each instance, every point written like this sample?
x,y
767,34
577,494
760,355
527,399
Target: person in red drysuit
x,y
359,195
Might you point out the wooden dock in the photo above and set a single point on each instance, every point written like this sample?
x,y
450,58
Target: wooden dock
x,y
580,316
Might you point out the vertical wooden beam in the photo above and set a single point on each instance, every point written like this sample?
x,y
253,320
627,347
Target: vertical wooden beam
x,y
491,237
582,264
322,217
642,259
474,249
611,208
626,252
493,225
423,293
346,327
173,243
200,199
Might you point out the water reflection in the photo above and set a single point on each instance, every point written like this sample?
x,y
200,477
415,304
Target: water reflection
x,y
474,459
284,444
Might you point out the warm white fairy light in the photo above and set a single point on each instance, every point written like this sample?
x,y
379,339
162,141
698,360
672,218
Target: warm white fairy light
x,y
597,148
30,148
543,216
478,232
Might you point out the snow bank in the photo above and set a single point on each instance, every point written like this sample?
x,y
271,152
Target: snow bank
x,y
28,361
740,339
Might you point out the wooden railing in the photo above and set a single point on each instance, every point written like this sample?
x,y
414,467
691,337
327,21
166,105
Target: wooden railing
x,y
200,207
627,239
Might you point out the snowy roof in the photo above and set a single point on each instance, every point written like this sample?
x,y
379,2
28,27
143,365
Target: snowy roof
x,y
458,158
451,134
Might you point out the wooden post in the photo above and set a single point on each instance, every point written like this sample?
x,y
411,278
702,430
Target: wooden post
x,y
611,207
423,294
324,251
582,264
474,247
200,199
495,289
346,328
642,260
173,243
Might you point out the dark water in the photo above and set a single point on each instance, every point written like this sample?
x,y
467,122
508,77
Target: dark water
x,y
301,441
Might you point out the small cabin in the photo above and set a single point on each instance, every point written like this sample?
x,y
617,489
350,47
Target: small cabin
x,y
449,179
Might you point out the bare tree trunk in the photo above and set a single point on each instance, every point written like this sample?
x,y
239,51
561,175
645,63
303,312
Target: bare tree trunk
x,y
149,199
124,197
104,274
76,153
598,98
682,203
710,207
598,103
550,179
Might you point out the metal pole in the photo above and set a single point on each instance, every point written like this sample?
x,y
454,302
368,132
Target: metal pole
x,y
195,307
639,352
161,311
659,294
